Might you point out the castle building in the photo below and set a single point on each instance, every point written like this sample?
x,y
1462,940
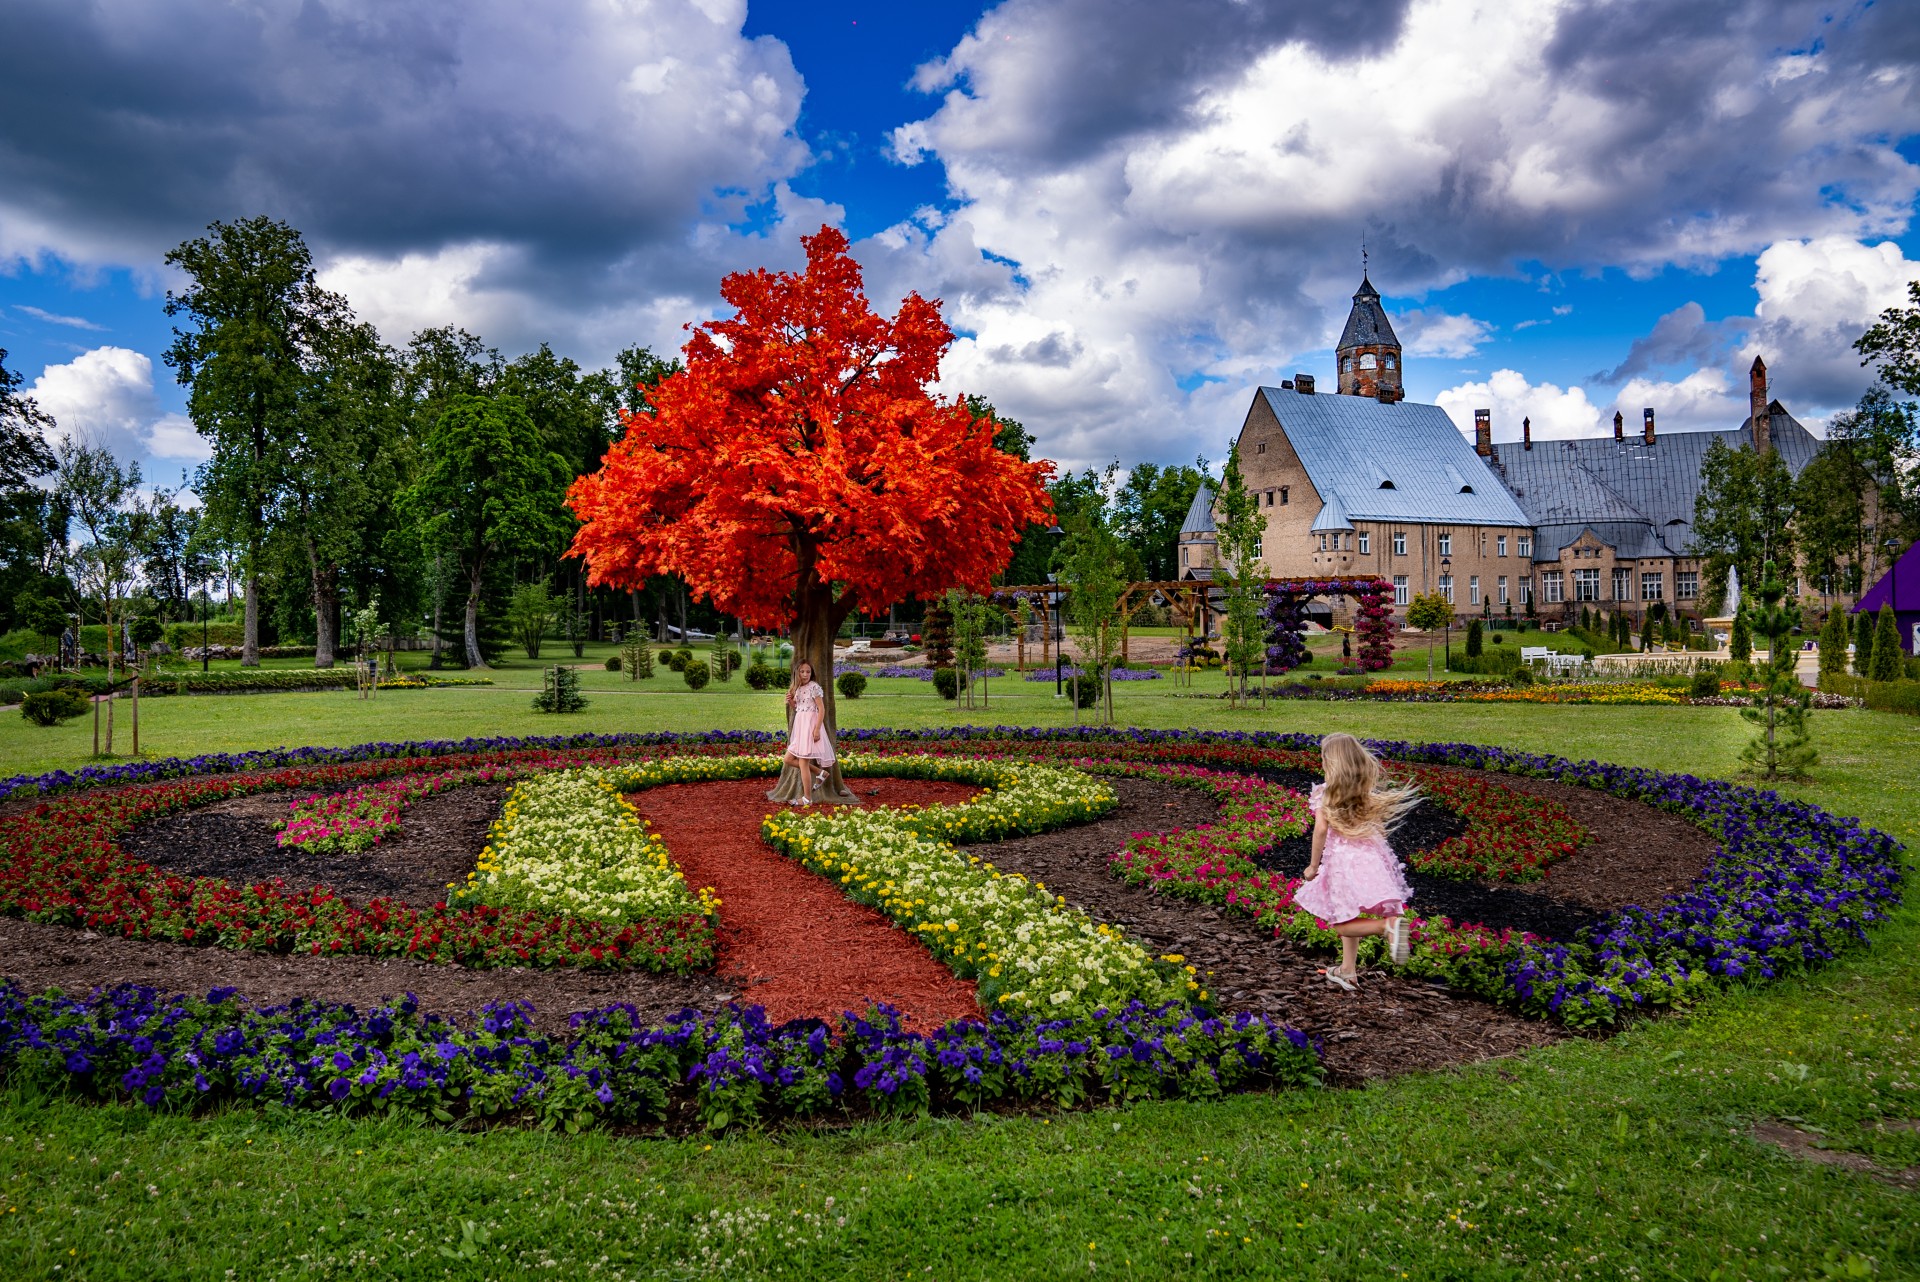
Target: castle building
x,y
1364,482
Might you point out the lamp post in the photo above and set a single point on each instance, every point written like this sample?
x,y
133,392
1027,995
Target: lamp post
x,y
1446,577
206,603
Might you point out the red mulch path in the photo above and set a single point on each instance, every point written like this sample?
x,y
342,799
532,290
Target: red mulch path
x,y
798,946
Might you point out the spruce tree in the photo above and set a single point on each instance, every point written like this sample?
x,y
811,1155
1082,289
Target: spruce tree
x,y
1646,634
1476,639
1780,707
1863,644
1834,635
1740,644
1886,647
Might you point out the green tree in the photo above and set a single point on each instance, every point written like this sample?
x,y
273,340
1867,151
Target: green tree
x,y
1149,511
1429,612
529,614
1646,632
1743,515
100,493
1882,433
1830,506
1834,635
1886,647
1476,640
1780,708
1093,569
1893,344
254,314
33,520
1740,644
970,619
1863,644
1240,574
489,488
24,453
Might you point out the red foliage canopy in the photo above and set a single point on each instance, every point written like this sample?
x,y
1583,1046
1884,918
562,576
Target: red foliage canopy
x,y
799,449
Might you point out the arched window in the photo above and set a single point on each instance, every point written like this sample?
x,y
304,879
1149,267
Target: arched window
x,y
1366,360
1346,364
1392,363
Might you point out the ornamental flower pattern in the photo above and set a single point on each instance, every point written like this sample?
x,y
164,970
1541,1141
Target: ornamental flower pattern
x,y
1285,613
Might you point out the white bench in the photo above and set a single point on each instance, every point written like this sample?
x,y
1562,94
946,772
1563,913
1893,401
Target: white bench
x,y
1557,664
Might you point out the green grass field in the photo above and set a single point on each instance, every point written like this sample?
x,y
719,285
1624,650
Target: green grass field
x,y
1624,1157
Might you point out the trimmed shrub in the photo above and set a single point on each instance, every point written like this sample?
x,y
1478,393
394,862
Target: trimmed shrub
x,y
851,684
1476,639
675,660
1086,689
613,663
665,658
759,676
1887,664
947,682
51,707
1705,683
696,675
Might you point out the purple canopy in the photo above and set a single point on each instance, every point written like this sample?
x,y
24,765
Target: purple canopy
x,y
1899,587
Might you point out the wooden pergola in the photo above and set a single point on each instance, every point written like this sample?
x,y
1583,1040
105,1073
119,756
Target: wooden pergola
x,y
1186,598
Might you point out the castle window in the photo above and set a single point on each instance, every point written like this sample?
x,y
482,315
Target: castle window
x,y
1366,360
1526,545
1622,583
1399,589
1183,556
1399,543
1651,587
1446,587
1260,448
1552,584
1366,542
1503,589
1256,546
1446,545
1283,496
1473,589
1500,545
1323,543
1346,364
1269,498
1586,585
1686,584
1391,363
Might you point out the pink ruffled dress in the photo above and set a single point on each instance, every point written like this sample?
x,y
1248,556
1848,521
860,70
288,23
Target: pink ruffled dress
x,y
1359,876
809,707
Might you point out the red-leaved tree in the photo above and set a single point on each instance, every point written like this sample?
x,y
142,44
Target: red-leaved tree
x,y
797,469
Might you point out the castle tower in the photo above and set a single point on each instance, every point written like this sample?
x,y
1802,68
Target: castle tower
x,y
1369,353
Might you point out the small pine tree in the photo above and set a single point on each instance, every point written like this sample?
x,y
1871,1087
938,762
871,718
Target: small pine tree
x,y
1886,647
936,637
1475,639
1740,645
636,659
1780,708
1833,646
560,692
1863,644
1646,634
720,658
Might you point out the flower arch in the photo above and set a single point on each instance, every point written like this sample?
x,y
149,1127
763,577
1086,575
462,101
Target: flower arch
x,y
1286,615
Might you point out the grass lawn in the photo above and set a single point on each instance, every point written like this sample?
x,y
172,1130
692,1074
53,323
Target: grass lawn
x,y
1625,1157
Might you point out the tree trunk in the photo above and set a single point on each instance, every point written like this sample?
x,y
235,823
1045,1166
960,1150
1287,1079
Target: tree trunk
x,y
474,659
817,620
250,635
326,601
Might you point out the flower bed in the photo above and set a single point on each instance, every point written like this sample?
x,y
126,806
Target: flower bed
x,y
1118,674
569,844
1626,693
729,1067
1791,886
358,818
59,863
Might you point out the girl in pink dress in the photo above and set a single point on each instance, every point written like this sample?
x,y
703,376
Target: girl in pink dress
x,y
808,748
1354,882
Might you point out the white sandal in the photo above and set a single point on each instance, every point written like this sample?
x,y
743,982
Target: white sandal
x,y
1338,980
1399,940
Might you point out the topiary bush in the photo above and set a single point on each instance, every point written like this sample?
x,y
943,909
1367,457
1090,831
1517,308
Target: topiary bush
x,y
51,707
696,675
947,682
852,684
759,676
1705,683
613,663
674,659
1086,689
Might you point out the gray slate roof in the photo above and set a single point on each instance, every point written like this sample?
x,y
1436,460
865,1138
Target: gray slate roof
x,y
1642,493
1199,514
1398,462
1367,323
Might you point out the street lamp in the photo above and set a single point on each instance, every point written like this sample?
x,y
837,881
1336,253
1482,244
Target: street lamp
x,y
1446,577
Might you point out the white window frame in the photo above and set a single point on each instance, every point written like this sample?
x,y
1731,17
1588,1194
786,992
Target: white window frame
x,y
1502,586
1553,587
1500,545
1445,545
1399,542
1686,585
1622,583
1399,589
1366,543
1473,589
1526,589
1526,545
1446,587
1586,585
1653,586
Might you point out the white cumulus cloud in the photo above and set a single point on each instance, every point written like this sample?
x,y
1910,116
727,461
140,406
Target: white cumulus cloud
x,y
107,397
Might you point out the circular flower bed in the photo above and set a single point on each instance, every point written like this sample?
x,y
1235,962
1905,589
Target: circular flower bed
x,y
1791,885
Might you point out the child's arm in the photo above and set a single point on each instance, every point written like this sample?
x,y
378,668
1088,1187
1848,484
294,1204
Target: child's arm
x,y
1319,846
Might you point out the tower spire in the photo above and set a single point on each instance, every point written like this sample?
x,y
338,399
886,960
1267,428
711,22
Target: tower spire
x,y
1369,351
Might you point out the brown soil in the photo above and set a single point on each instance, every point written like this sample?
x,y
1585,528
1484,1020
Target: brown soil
x,y
438,839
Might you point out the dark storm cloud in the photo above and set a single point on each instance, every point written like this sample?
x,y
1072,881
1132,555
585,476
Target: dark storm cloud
x,y
576,131
1071,76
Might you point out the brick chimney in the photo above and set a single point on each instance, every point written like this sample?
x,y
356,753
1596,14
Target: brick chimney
x,y
1619,426
1646,426
1757,407
1526,433
1483,433
1303,384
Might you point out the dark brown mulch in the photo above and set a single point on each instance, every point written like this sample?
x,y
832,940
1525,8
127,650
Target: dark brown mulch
x,y
438,840
1391,1026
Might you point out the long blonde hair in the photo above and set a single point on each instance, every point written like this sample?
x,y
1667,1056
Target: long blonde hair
x,y
1355,800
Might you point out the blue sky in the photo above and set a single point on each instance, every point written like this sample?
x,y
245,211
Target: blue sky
x,y
1134,211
